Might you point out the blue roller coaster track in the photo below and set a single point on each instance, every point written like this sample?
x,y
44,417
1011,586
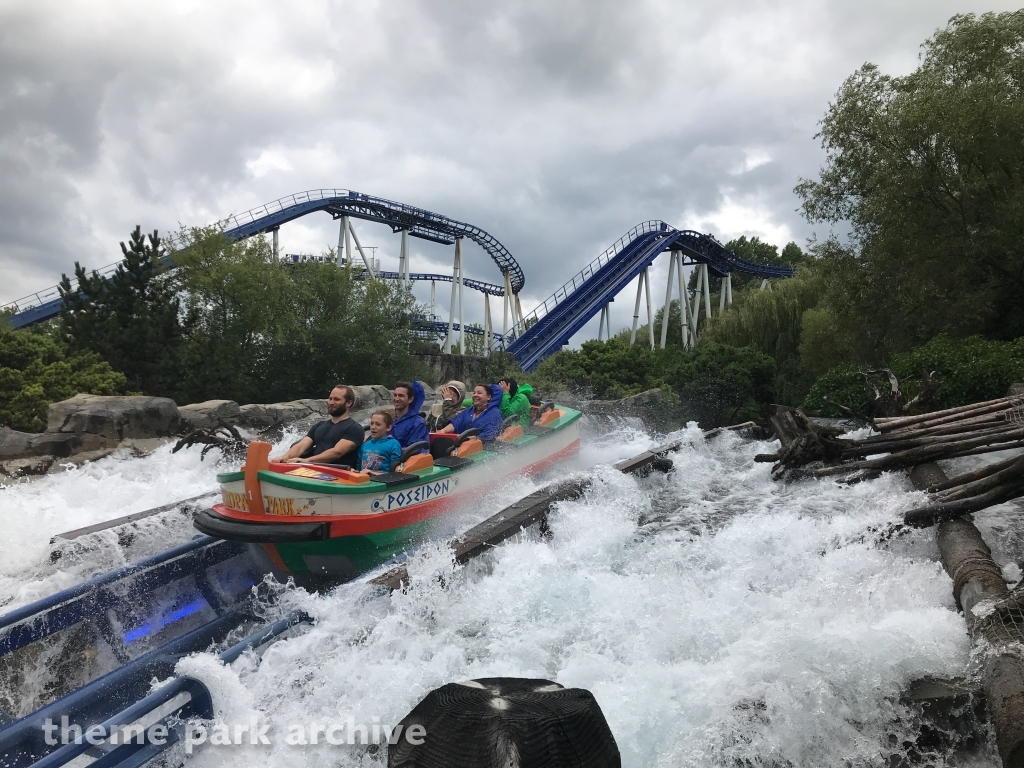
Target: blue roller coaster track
x,y
550,326
536,336
420,223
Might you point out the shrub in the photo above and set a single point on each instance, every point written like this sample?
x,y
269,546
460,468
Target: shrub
x,y
968,370
35,372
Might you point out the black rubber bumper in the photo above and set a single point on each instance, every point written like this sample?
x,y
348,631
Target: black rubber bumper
x,y
213,524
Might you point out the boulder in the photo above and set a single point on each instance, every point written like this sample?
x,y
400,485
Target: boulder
x,y
371,396
114,418
263,416
35,465
65,444
15,444
21,445
1016,389
210,413
642,404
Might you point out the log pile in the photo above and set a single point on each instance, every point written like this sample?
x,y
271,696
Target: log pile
x,y
907,441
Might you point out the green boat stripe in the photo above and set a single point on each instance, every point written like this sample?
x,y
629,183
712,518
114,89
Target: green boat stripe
x,y
432,473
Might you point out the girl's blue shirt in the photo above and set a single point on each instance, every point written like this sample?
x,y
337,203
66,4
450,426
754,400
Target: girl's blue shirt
x,y
379,455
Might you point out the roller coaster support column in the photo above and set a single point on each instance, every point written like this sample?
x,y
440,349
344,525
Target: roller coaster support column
x,y
518,312
403,261
636,309
693,311
433,286
277,250
707,291
685,309
344,243
366,261
506,298
668,297
488,330
725,289
462,324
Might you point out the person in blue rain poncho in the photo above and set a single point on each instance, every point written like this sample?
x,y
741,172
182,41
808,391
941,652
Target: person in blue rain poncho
x,y
485,414
409,426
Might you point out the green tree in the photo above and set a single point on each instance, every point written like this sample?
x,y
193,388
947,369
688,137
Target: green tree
x,y
715,383
129,319
927,171
262,330
34,372
757,251
968,370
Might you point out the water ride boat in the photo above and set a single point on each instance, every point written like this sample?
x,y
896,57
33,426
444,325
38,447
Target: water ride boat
x,y
317,521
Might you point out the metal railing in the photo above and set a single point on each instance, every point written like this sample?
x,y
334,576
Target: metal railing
x,y
581,277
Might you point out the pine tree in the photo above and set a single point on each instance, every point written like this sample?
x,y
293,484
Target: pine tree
x,y
131,319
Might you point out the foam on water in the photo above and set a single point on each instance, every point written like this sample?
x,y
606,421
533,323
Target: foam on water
x,y
718,617
32,512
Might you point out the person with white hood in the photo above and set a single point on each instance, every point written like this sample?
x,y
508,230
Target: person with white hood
x,y
441,414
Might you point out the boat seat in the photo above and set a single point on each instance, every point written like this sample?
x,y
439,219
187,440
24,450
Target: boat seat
x,y
468,447
512,433
442,446
550,416
412,452
419,461
452,462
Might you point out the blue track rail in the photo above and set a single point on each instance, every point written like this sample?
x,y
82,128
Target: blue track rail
x,y
46,304
550,326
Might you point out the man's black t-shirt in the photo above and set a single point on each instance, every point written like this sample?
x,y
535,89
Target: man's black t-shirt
x,y
326,434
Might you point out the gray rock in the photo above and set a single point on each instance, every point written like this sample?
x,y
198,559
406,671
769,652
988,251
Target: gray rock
x,y
34,465
114,418
15,444
210,413
263,416
371,396
1016,389
63,445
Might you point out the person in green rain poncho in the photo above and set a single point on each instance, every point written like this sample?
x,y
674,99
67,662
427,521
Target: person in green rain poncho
x,y
515,400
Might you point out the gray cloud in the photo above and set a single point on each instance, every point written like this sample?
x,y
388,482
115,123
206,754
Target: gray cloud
x,y
554,126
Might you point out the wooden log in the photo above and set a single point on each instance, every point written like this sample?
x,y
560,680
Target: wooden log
x,y
1014,471
969,477
859,448
976,409
978,582
930,514
894,422
992,448
924,454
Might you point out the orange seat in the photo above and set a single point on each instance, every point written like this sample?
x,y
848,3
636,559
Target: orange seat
x,y
512,433
550,416
419,461
472,445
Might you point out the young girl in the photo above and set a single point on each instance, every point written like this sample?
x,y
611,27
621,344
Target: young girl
x,y
380,453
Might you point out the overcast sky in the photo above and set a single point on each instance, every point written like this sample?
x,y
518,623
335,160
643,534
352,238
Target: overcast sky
x,y
555,126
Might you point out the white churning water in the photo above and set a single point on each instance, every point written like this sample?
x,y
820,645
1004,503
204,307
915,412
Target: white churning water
x,y
718,617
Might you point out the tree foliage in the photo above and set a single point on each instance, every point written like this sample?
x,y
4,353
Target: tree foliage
x,y
715,383
261,330
130,319
35,371
927,170
967,370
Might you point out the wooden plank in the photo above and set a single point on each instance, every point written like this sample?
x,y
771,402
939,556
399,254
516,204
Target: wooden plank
x,y
69,535
528,511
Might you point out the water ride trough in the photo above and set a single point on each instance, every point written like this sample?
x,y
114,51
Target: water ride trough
x,y
314,520
222,575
